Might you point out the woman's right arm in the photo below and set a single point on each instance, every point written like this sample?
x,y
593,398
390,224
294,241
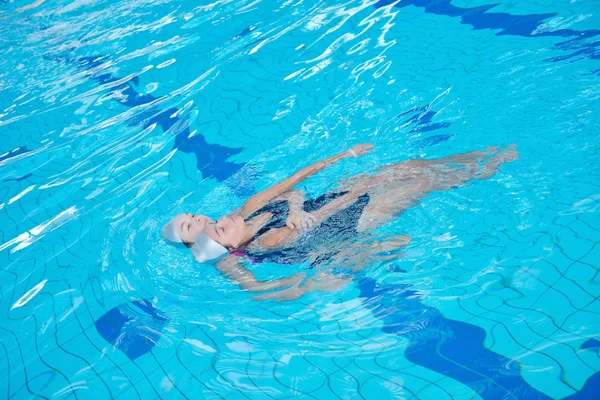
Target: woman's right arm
x,y
231,267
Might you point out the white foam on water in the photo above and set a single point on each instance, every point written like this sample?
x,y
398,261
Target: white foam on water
x,y
31,293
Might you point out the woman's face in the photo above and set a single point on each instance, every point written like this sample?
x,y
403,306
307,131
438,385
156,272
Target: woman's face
x,y
190,225
227,231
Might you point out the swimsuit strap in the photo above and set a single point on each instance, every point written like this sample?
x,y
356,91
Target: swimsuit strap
x,y
340,226
280,210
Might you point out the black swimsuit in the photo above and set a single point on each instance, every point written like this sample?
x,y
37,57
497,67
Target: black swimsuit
x,y
338,227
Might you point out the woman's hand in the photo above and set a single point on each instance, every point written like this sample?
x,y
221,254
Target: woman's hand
x,y
360,149
300,220
322,282
326,282
293,280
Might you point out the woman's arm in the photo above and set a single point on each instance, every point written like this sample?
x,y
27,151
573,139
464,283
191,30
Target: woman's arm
x,y
230,267
257,201
297,217
361,254
353,258
321,282
295,199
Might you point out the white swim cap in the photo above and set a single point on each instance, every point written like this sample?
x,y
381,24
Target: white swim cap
x,y
205,249
170,232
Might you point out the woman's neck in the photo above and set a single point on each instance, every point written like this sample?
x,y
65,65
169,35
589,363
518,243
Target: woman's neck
x,y
253,226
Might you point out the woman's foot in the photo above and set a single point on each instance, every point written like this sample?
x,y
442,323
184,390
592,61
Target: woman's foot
x,y
491,167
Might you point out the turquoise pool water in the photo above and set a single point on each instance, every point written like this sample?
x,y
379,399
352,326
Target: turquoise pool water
x,y
114,116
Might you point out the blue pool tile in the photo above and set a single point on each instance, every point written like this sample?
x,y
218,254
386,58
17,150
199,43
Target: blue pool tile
x,y
592,258
177,372
412,382
166,383
456,389
121,382
487,325
197,361
198,387
82,314
539,322
373,357
211,159
589,391
524,284
313,369
345,382
134,327
450,346
14,152
584,274
435,392
544,271
68,328
69,362
43,382
577,372
571,245
129,368
544,373
585,230
426,374
490,302
486,17
141,390
522,332
591,344
585,323
451,310
577,296
321,392
386,361
594,307
505,343
592,359
41,379
555,301
472,307
82,345
383,387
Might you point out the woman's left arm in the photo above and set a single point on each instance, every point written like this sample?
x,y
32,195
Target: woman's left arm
x,y
354,259
259,200
297,217
321,282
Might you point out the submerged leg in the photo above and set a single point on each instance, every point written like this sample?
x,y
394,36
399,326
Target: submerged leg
x,y
447,176
411,181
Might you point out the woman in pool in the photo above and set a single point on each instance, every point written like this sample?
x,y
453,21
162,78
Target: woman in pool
x,y
279,225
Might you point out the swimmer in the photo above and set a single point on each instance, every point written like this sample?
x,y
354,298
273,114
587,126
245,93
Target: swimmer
x,y
280,225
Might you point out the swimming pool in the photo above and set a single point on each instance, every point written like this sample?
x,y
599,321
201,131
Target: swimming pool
x,y
114,116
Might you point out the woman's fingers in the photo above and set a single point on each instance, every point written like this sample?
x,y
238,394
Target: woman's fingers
x,y
362,149
389,257
294,221
295,279
298,277
301,221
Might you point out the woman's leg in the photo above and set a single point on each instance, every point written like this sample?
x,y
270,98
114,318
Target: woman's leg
x,y
413,169
406,183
